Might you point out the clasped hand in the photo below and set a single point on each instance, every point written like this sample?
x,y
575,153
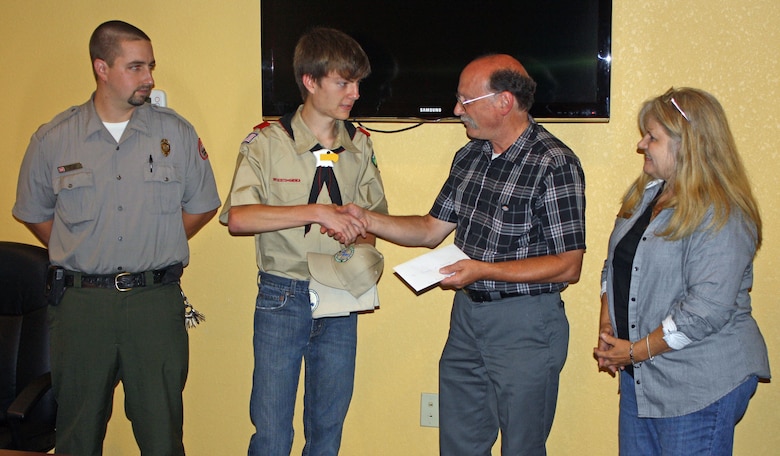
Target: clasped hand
x,y
611,352
345,223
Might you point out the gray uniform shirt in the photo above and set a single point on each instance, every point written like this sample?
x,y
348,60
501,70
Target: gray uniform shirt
x,y
703,282
115,206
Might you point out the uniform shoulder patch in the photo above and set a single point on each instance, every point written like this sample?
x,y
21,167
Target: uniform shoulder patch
x,y
249,137
202,150
255,132
364,131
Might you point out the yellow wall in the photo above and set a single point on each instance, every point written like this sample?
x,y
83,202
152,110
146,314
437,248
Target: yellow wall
x,y
209,65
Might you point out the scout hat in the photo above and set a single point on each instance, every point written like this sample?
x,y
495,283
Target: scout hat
x,y
332,302
345,281
355,268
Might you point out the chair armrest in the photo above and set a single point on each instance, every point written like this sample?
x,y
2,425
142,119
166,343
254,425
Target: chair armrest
x,y
29,397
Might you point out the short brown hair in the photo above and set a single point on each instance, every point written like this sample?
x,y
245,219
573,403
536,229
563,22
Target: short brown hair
x,y
324,50
105,41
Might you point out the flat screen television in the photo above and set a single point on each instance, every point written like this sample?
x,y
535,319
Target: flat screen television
x,y
417,49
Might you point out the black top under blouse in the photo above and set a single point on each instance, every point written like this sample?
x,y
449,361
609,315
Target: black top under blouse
x,y
625,251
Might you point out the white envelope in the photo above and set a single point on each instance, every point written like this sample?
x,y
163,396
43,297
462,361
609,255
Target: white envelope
x,y
423,271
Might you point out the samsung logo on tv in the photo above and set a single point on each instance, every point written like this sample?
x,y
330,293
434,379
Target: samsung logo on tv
x,y
426,109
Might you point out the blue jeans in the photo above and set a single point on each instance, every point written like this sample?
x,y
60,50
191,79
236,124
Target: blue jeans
x,y
285,333
499,371
708,432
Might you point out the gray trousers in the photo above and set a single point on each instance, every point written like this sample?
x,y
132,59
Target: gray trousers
x,y
499,371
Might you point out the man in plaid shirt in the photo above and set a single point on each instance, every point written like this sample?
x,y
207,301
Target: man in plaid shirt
x,y
515,197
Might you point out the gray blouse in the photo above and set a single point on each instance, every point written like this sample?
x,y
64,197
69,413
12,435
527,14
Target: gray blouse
x,y
702,281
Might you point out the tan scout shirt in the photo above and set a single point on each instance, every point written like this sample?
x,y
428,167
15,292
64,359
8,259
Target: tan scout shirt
x,y
274,170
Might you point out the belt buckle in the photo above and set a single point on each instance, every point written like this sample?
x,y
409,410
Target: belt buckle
x,y
117,278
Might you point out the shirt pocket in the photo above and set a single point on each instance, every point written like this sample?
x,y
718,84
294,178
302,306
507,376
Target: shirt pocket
x,y
515,218
163,190
76,197
290,191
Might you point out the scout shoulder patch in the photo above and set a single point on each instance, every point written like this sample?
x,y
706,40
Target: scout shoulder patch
x,y
249,138
254,134
202,150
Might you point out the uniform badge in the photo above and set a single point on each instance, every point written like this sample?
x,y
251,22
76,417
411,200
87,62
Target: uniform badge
x,y
314,299
165,147
249,138
202,150
343,255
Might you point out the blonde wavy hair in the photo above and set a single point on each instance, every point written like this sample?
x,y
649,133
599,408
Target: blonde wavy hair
x,y
708,172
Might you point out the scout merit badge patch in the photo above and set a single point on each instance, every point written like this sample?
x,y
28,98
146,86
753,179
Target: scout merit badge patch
x,y
165,147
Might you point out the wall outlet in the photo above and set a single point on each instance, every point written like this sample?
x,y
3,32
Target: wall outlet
x,y
429,410
158,98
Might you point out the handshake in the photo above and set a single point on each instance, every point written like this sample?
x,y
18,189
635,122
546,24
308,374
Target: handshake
x,y
344,223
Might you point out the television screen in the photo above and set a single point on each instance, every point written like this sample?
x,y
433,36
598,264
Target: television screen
x,y
418,48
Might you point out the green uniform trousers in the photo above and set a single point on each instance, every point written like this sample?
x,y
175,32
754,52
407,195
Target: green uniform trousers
x,y
100,337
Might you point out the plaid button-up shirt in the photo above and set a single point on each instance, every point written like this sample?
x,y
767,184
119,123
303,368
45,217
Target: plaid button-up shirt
x,y
527,202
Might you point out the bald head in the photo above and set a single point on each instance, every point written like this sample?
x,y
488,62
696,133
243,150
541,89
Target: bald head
x,y
500,73
494,62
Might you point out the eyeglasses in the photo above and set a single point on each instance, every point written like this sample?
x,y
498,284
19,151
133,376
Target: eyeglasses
x,y
463,102
668,98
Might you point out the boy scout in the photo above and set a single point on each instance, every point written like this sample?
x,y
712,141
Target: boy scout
x,y
290,175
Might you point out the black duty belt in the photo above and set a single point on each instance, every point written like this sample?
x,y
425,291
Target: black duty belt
x,y
487,296
124,281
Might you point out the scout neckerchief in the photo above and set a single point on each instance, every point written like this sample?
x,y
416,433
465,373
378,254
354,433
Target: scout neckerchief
x,y
324,174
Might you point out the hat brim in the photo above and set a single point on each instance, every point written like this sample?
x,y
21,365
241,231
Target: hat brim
x,y
364,270
334,302
321,269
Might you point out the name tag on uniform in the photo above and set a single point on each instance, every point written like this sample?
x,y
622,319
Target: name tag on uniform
x,y
66,168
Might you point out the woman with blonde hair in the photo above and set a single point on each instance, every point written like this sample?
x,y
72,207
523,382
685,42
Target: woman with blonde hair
x,y
676,321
